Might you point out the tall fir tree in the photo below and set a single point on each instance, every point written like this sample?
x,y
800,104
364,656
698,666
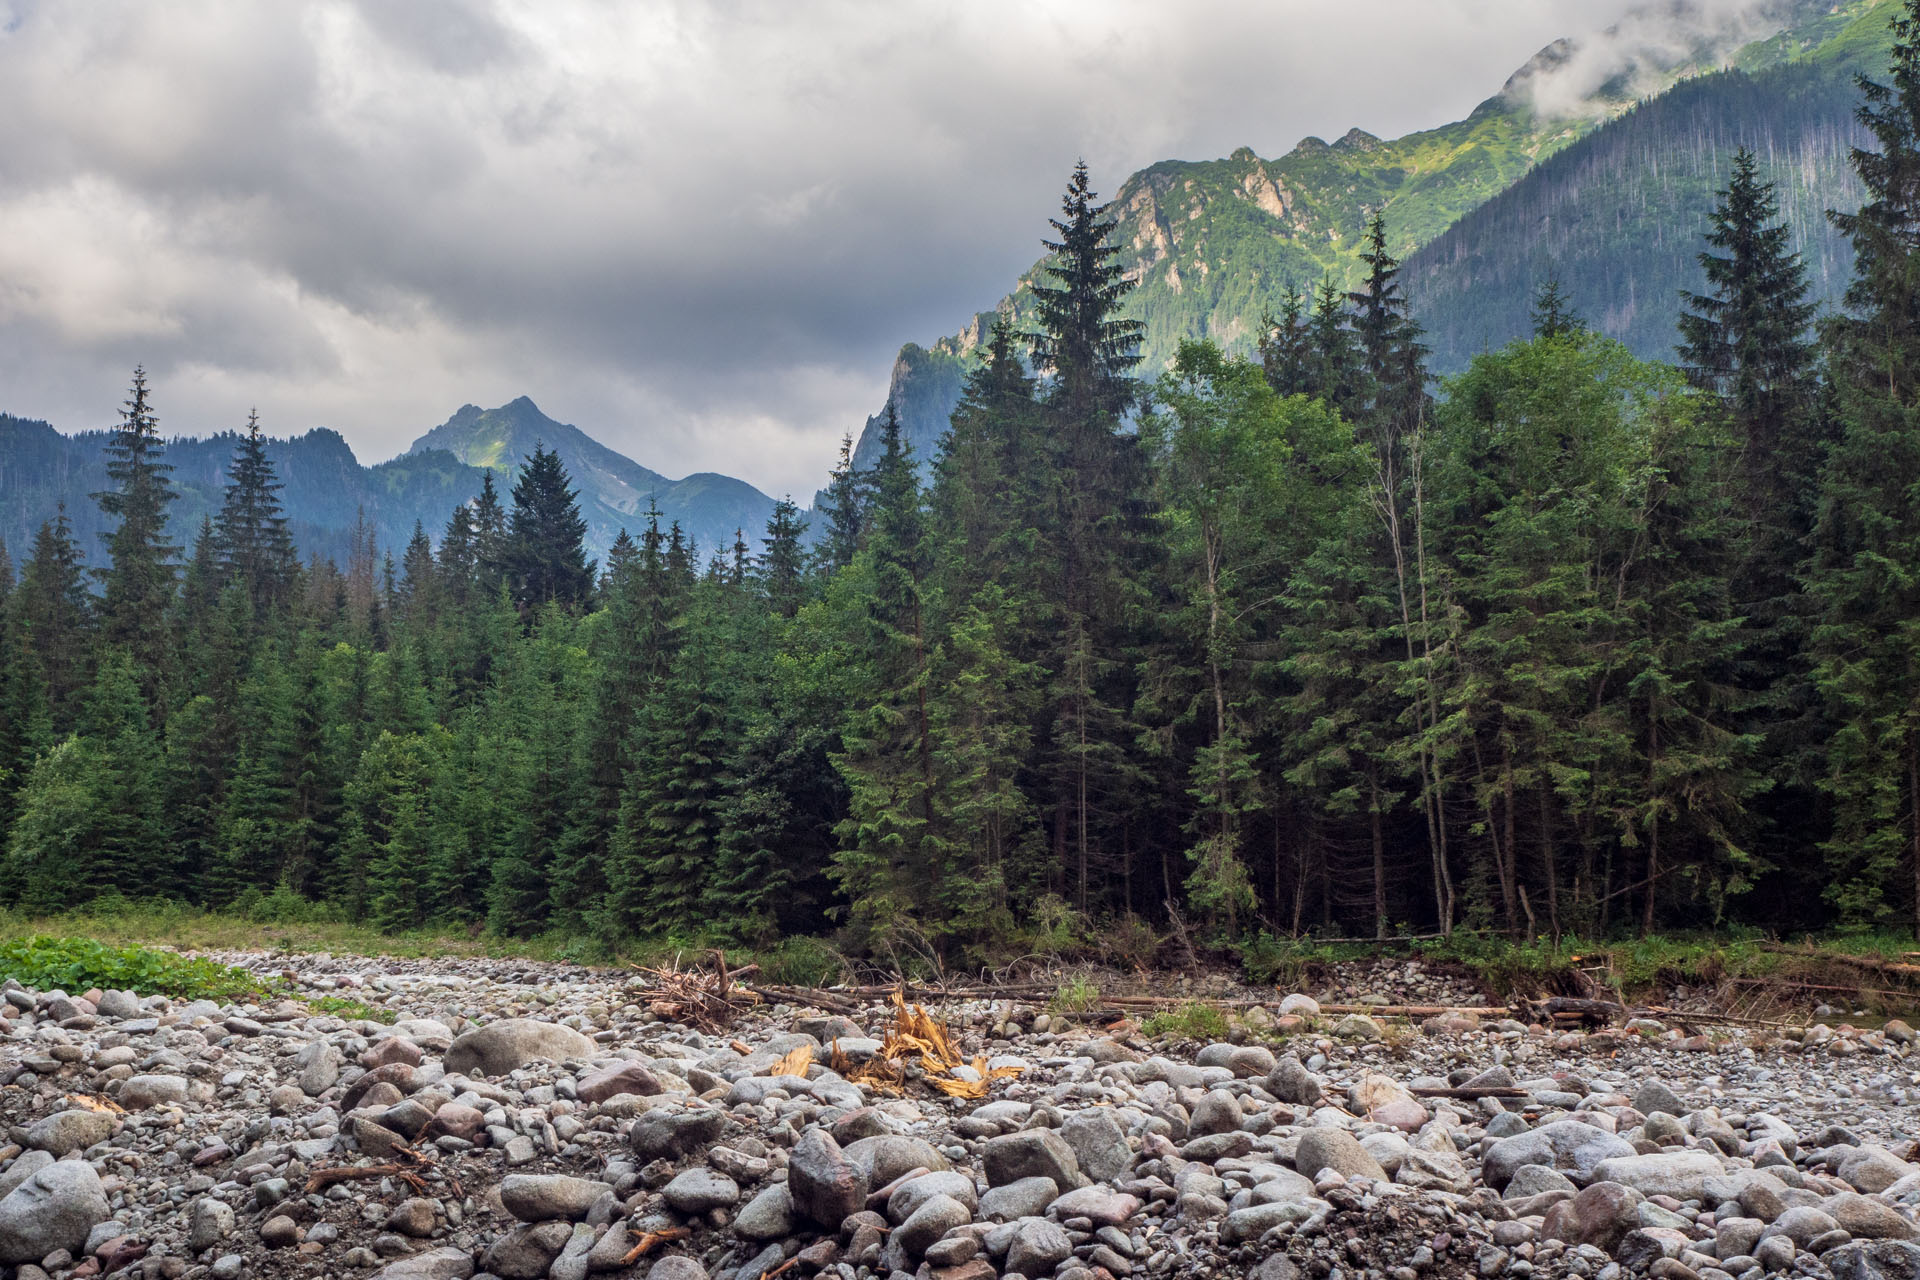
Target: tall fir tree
x,y
138,580
255,545
546,543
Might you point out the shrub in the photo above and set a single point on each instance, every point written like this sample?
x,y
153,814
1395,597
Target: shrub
x,y
1189,1021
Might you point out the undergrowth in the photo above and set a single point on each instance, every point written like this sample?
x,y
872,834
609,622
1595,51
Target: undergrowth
x,y
1190,1021
78,964
351,1010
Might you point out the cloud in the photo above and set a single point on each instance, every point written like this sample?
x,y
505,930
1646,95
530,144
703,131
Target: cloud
x,y
699,230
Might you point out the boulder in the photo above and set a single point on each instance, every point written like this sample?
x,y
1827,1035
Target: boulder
x,y
1099,1143
1031,1153
1335,1149
1567,1145
437,1264
609,1082
1599,1215
826,1186
1680,1174
54,1209
545,1197
65,1132
768,1216
929,1222
511,1043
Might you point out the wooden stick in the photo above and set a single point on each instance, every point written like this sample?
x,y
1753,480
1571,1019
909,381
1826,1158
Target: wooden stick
x,y
648,1240
1477,1091
781,1269
324,1178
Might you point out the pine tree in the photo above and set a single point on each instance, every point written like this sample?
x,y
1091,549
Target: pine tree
x,y
55,618
254,543
888,840
843,511
456,561
1083,342
1553,314
139,578
782,566
490,539
419,599
1865,579
1286,346
546,549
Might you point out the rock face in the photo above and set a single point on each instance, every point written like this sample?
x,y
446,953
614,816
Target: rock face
x,y
53,1209
508,1045
1103,1154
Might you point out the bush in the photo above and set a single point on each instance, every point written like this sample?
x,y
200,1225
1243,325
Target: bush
x,y
1190,1021
77,964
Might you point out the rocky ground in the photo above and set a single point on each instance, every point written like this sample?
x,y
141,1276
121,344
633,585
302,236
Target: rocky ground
x,y
522,1121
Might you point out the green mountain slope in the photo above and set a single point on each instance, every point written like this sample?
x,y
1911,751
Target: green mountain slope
x,y
614,489
1617,217
1213,245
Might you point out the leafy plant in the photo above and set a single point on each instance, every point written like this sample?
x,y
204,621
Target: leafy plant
x,y
77,964
1076,995
352,1010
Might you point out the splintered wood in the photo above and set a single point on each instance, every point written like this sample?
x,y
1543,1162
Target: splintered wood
x,y
917,1034
708,1000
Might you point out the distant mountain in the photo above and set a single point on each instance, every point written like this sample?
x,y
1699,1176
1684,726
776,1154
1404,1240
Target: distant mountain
x,y
327,487
614,489
1213,245
1618,216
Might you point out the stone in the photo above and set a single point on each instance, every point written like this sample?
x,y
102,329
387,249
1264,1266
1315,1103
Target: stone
x,y
140,1092
676,1266
1031,1153
1868,1219
390,1050
1533,1179
512,1043
1103,1206
1099,1143
825,1185
701,1190
914,1192
929,1222
1655,1098
415,1216
543,1197
24,1166
1599,1215
885,1157
1338,1150
1217,1112
319,1065
65,1132
1680,1174
1802,1224
1038,1247
674,1134
280,1232
1250,1061
1291,1082
1567,1145
1358,1026
438,1264
1874,1260
211,1222
1298,1005
768,1216
1256,1220
122,1004
1872,1169
1643,1246
53,1209
1022,1198
526,1252
456,1120
611,1082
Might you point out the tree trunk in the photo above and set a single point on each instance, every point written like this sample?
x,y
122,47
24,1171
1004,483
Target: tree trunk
x,y
1379,862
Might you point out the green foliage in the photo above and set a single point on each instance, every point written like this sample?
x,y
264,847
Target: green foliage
x,y
79,964
1190,1021
352,1010
1076,995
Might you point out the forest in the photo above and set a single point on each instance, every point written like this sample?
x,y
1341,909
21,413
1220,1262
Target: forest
x,y
1569,643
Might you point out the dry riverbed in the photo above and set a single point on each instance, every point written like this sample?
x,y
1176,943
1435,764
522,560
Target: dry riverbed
x,y
526,1121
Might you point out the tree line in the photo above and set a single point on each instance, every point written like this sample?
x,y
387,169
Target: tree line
x,y
1302,642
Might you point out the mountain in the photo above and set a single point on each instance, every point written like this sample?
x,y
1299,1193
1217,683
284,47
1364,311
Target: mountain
x,y
327,487
1213,245
1618,216
614,489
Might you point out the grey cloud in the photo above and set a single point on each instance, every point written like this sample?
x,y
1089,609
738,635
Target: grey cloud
x,y
699,231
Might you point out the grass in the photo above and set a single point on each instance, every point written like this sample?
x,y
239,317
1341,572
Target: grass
x,y
1076,995
1190,1021
351,1010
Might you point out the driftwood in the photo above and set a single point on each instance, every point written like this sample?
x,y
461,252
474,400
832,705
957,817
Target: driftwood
x,y
648,1239
324,1178
1472,1092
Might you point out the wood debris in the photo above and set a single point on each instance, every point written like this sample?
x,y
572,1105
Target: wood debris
x,y
648,1241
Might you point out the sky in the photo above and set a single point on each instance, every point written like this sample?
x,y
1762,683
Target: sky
x,y
698,230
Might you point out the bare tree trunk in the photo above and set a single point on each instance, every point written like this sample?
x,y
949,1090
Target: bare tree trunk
x,y
1548,860
1379,860
1653,824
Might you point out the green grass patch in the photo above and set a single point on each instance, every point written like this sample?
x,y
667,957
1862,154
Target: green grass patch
x,y
1076,995
351,1010
78,964
1190,1021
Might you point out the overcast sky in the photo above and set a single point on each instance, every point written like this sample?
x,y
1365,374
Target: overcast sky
x,y
700,231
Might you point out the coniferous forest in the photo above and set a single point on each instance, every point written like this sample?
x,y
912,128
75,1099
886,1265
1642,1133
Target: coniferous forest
x,y
1568,643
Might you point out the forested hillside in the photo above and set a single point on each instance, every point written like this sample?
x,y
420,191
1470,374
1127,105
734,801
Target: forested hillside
x,y
1612,215
1581,642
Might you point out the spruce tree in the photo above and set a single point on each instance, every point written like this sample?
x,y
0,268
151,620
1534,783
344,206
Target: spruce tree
x,y
782,566
1865,578
1286,347
254,543
1553,314
1083,341
138,581
546,549
55,617
843,511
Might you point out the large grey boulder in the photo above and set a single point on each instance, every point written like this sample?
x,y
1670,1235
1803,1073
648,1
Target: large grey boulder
x,y
545,1197
826,1186
508,1045
65,1132
1874,1260
1099,1143
1570,1146
439,1264
1680,1174
768,1216
1031,1153
672,1134
52,1210
1338,1150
